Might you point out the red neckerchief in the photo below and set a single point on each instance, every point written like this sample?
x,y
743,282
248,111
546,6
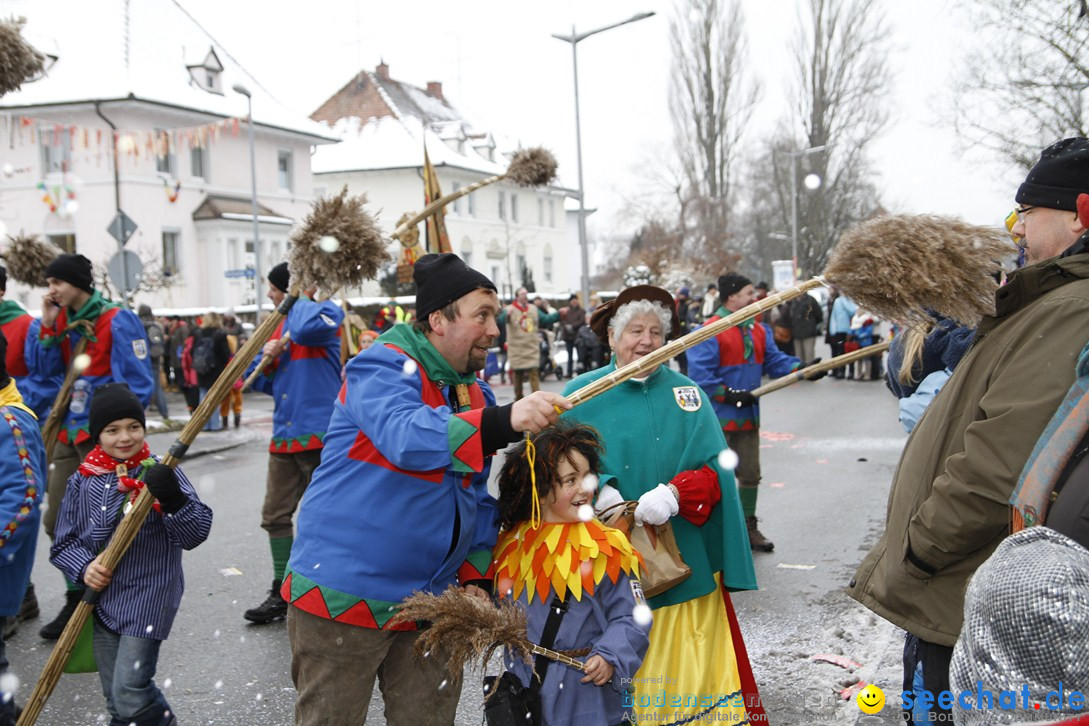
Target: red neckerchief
x,y
98,462
520,306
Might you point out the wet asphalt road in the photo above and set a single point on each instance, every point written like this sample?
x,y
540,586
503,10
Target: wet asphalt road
x,y
829,451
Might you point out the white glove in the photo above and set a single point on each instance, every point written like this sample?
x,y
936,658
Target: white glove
x,y
656,506
607,496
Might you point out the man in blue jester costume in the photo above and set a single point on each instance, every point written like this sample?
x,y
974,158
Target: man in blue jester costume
x,y
400,504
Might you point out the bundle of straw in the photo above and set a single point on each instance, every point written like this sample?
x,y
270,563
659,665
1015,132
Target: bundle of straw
x,y
467,629
19,60
26,258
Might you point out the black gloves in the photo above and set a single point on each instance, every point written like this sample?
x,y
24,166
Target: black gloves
x,y
737,398
163,484
814,376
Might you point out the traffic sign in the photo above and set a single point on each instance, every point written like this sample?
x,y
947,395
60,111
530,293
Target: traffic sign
x,y
133,269
122,227
246,272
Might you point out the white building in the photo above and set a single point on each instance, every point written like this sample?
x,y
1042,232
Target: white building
x,y
384,125
154,85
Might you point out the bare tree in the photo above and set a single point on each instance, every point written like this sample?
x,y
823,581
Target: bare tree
x,y
1026,83
713,98
840,52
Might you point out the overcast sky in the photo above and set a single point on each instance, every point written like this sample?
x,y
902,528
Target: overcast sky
x,y
498,63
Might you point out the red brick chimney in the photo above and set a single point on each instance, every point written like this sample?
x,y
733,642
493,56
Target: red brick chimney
x,y
435,89
383,70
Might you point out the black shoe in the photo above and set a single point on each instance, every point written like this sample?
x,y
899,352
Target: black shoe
x,y
273,608
237,420
28,610
53,630
224,419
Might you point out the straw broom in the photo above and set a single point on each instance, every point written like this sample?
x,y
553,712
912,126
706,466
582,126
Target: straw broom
x,y
528,168
838,362
19,60
467,628
900,267
359,258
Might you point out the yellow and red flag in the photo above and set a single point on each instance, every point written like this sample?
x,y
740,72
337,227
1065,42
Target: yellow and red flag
x,y
437,240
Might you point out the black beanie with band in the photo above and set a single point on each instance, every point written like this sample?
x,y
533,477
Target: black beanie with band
x,y
443,278
73,269
730,283
280,277
113,402
1061,174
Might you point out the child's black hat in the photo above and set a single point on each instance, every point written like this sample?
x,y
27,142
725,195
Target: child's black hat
x,y
113,402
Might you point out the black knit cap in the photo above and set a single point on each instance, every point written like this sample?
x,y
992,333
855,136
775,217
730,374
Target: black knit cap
x,y
73,269
280,277
3,279
112,402
1058,177
730,283
442,279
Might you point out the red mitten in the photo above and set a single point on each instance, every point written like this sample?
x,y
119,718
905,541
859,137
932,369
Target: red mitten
x,y
699,491
1083,209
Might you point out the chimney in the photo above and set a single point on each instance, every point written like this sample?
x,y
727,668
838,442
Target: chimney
x,y
435,89
383,70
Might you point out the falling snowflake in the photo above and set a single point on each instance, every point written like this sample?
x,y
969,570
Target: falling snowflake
x,y
149,628
727,459
219,684
641,614
136,665
586,513
216,633
9,684
329,244
71,206
81,362
167,682
589,483
443,684
258,697
410,367
9,170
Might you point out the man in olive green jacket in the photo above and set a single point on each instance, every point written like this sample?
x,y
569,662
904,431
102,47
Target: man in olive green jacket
x,y
949,502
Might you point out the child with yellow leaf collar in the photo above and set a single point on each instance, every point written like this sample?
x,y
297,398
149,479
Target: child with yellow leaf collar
x,y
564,566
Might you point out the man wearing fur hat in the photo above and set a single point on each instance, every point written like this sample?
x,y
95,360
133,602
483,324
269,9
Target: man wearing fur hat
x,y
117,351
727,367
303,377
400,504
949,504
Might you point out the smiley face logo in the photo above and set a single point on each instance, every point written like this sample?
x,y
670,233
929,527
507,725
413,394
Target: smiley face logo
x,y
870,699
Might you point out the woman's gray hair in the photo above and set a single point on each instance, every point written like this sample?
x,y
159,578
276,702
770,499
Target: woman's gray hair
x,y
628,311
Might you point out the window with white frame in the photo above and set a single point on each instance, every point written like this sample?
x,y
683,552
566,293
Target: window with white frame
x,y
551,212
283,168
171,240
471,199
513,207
164,154
56,146
64,241
459,200
502,204
548,264
198,162
232,254
540,212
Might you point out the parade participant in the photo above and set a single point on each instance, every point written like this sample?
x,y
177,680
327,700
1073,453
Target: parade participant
x,y
116,351
139,599
522,321
236,338
17,325
573,320
22,473
949,503
662,448
594,599
727,367
303,377
400,504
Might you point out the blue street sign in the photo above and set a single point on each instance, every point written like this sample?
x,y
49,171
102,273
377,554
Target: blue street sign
x,y
246,273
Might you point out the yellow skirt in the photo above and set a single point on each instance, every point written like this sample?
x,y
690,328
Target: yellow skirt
x,y
690,668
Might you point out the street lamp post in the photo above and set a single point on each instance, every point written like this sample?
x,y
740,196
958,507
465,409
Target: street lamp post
x,y
574,39
257,277
794,157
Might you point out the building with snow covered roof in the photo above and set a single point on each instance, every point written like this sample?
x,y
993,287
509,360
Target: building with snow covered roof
x,y
384,125
154,86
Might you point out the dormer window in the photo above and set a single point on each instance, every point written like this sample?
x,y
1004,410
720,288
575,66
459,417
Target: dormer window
x,y
206,74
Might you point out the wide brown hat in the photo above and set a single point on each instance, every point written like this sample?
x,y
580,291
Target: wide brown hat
x,y
599,320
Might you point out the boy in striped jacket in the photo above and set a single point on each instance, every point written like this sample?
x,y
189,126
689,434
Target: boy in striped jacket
x,y
140,598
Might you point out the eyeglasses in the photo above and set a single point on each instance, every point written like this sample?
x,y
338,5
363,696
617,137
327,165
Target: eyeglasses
x,y
1022,212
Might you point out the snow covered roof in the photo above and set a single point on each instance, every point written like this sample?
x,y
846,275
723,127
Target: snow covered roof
x,y
383,123
151,50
